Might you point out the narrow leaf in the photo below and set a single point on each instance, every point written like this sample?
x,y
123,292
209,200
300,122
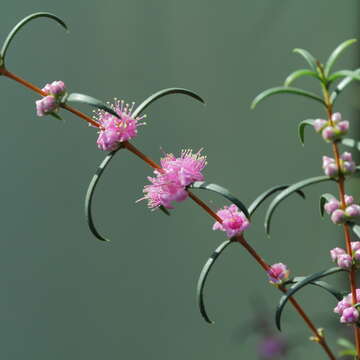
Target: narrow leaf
x,y
335,54
163,93
324,198
164,210
90,194
56,116
286,90
262,197
301,128
356,229
308,57
299,73
351,143
295,288
203,276
343,73
24,21
342,85
285,193
345,343
89,100
221,191
349,352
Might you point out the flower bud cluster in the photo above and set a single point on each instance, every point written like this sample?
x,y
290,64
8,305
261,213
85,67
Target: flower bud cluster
x,y
172,179
332,130
340,216
343,259
278,273
50,103
347,165
234,221
348,313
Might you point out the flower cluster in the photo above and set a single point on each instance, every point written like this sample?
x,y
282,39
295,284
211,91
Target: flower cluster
x,y
113,130
340,216
172,179
332,130
345,260
50,103
278,273
347,165
234,221
348,313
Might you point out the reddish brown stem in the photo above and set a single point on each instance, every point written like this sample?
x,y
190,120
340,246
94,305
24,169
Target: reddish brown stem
x,y
18,79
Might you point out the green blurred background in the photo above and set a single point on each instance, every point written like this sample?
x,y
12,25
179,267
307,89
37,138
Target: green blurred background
x,y
66,295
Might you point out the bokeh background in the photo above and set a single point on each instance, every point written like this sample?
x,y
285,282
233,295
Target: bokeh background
x,y
65,295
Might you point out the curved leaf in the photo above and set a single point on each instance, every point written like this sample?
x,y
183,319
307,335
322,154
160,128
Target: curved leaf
x,y
349,347
299,73
342,85
301,128
295,288
343,73
324,198
23,22
89,100
162,93
284,194
335,54
286,90
203,276
308,57
90,194
351,143
221,191
262,197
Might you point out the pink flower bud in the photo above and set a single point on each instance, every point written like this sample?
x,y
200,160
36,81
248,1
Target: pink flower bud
x,y
336,117
319,124
327,160
331,206
344,261
343,127
338,216
355,245
346,156
328,133
349,200
353,210
45,106
278,273
349,315
331,170
57,88
334,253
341,306
356,255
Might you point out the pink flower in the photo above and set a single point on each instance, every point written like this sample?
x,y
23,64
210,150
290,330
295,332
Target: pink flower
x,y
331,206
347,165
341,306
114,131
45,105
234,221
334,253
172,179
353,211
278,273
338,217
56,88
319,124
355,245
349,315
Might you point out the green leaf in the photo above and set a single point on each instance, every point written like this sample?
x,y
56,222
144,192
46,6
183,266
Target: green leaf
x,y
324,198
356,229
24,21
343,73
221,191
89,100
342,85
351,143
301,128
335,54
164,210
285,193
348,353
163,93
299,73
56,116
90,194
286,90
262,197
295,288
203,276
308,57
345,343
